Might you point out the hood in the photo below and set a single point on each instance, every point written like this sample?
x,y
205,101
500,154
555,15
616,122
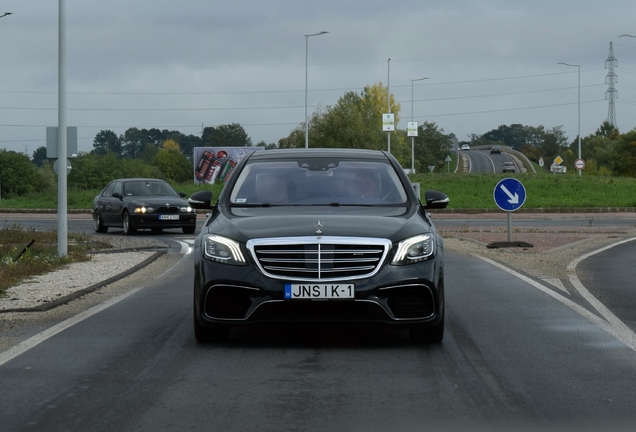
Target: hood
x,y
158,201
393,223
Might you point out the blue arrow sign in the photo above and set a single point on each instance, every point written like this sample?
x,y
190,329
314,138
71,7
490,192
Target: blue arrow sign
x,y
509,194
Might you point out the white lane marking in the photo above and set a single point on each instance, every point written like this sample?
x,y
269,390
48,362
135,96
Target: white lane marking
x,y
569,303
611,324
33,341
50,332
627,335
186,246
556,282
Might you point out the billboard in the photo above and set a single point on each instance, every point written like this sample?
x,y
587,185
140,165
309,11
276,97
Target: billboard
x,y
215,164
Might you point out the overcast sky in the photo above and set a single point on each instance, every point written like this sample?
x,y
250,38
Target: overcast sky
x,y
182,65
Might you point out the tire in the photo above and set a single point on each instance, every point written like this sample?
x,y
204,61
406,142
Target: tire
x,y
98,224
189,229
210,335
128,226
428,334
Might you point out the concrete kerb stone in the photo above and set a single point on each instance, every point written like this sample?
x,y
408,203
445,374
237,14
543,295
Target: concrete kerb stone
x,y
79,293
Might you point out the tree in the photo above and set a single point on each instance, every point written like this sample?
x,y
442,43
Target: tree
x,y
355,121
554,143
172,163
515,136
18,175
106,142
431,147
229,135
39,156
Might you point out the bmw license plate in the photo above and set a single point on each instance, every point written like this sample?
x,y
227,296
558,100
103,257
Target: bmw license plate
x,y
320,291
168,217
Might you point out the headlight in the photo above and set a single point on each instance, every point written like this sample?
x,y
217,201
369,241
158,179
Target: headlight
x,y
185,209
223,250
414,249
143,210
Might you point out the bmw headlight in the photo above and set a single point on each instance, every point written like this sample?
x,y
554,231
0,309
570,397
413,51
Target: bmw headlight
x,y
414,249
187,209
222,249
144,210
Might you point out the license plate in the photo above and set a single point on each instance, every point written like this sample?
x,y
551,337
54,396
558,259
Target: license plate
x,y
168,217
319,291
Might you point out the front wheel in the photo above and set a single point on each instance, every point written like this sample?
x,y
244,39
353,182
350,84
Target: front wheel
x,y
128,226
189,229
428,334
98,224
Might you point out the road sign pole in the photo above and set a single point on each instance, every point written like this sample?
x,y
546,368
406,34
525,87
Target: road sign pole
x,y
509,227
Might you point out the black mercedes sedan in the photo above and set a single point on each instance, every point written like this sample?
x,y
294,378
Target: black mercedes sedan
x,y
319,237
142,203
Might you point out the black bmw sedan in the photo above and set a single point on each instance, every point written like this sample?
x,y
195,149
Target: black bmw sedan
x,y
142,203
319,236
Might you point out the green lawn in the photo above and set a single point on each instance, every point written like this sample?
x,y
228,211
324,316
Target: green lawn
x,y
466,191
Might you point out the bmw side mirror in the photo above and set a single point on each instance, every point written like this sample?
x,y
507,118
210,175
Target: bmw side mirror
x,y
201,200
117,195
435,200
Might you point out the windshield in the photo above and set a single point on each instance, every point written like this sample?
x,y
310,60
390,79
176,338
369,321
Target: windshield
x,y
318,182
149,188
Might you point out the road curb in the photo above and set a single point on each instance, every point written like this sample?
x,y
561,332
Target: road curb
x,y
62,300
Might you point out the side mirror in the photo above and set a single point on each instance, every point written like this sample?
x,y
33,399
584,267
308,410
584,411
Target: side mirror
x,y
117,195
435,200
182,194
201,200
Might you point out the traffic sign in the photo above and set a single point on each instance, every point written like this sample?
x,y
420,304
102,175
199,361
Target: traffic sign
x,y
579,164
388,122
509,194
540,161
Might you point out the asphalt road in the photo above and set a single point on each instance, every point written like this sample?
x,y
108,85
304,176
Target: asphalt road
x,y
481,161
513,358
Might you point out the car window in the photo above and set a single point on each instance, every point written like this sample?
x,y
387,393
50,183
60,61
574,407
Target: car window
x,y
108,190
117,188
148,188
318,181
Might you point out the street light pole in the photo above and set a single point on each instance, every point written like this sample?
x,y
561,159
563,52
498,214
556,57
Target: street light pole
x,y
388,94
578,66
62,197
306,79
413,138
4,15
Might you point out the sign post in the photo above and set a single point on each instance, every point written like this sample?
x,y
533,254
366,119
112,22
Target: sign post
x,y
509,195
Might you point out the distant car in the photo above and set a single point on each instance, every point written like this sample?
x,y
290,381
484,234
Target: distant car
x,y
465,147
509,167
319,236
142,203
495,150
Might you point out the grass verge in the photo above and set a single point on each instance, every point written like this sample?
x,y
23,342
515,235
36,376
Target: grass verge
x,y
27,252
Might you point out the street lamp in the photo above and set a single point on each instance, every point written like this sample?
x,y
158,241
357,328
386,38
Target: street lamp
x,y
579,131
5,14
306,76
413,138
627,35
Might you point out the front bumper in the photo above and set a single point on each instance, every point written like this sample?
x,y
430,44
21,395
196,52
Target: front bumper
x,y
152,220
400,296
